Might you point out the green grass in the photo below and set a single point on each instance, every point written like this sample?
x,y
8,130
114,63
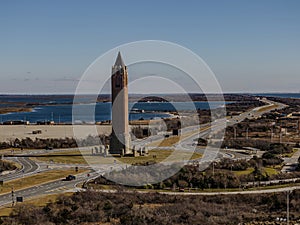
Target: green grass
x,y
167,142
70,159
289,155
270,171
153,156
157,155
170,141
266,170
267,107
72,156
244,172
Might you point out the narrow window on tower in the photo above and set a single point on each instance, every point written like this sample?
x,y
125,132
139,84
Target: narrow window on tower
x,y
118,81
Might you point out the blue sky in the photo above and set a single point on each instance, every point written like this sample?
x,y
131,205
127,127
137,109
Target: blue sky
x,y
251,46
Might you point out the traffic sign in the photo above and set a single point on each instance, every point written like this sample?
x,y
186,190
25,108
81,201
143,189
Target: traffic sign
x,y
19,199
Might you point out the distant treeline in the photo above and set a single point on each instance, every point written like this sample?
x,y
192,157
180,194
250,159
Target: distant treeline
x,y
39,143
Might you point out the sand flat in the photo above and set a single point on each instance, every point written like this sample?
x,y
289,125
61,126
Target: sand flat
x,y
11,132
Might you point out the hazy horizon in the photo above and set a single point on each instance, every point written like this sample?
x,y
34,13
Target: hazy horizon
x,y
149,94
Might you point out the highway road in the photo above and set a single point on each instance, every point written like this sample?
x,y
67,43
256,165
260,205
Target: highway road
x,y
210,153
213,193
291,162
28,167
53,187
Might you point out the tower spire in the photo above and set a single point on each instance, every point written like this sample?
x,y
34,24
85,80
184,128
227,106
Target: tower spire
x,y
119,61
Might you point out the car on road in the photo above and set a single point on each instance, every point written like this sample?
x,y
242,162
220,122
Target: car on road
x,y
70,177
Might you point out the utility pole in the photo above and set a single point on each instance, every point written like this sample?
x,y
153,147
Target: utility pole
x,y
12,196
288,206
234,128
271,135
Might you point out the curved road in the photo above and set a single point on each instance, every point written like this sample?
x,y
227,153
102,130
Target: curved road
x,y
28,167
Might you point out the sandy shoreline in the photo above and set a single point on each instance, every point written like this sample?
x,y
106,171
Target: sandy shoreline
x,y
9,110
11,132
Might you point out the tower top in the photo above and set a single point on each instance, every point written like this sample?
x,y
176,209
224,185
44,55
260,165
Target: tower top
x,y
119,61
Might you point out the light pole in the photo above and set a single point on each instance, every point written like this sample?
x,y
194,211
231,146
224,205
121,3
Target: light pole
x,y
288,206
234,128
271,135
213,164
